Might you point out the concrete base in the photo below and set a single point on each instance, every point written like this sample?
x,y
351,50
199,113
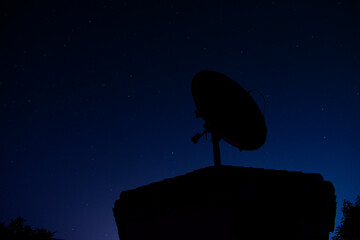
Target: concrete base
x,y
229,203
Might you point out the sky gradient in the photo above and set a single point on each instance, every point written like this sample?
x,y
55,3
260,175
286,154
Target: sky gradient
x,y
95,98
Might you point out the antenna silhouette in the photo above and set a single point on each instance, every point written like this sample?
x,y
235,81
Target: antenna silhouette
x,y
229,112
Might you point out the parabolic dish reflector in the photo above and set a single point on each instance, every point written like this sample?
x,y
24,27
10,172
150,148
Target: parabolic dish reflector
x,y
229,110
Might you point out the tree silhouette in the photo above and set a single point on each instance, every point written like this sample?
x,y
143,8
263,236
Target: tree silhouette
x,y
17,231
349,228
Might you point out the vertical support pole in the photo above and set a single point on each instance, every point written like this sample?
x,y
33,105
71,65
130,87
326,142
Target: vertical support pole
x,y
216,148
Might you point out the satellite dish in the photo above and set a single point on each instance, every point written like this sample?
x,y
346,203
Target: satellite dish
x,y
229,112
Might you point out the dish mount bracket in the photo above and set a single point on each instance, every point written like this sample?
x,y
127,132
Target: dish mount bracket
x,y
215,138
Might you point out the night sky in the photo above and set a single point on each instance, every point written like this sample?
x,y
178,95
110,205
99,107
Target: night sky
x,y
95,98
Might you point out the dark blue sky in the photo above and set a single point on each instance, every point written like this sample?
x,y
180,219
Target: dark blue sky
x,y
95,98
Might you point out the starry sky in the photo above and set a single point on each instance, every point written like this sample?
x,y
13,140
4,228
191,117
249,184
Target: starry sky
x,y
95,98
